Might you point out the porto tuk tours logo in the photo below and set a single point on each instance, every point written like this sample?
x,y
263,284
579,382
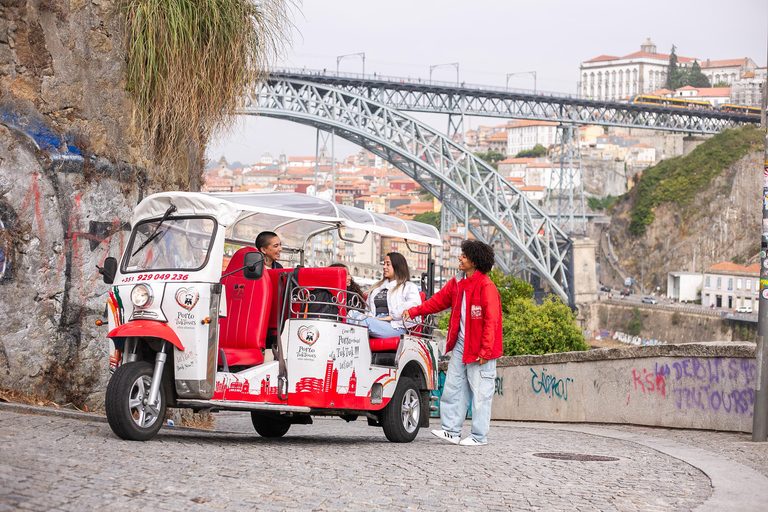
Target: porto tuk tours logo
x,y
308,334
187,297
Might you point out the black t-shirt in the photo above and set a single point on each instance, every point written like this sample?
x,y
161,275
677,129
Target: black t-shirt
x,y
380,301
275,264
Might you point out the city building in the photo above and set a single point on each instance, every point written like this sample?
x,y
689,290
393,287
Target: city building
x,y
514,167
613,78
684,286
715,95
498,142
522,135
748,91
727,71
729,285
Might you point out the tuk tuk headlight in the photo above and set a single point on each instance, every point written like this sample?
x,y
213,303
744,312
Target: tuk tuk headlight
x,y
141,295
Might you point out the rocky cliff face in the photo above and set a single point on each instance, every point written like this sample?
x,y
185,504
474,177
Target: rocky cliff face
x,y
68,182
721,224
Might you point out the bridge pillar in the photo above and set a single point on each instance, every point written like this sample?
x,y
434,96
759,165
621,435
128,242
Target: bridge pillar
x,y
584,270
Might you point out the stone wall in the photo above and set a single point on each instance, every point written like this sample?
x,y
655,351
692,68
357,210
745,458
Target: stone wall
x,y
695,385
62,216
70,174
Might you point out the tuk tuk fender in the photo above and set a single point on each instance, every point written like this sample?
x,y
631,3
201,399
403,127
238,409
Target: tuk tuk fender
x,y
147,328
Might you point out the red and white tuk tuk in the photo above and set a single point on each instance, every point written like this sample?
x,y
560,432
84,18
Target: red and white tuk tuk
x,y
187,329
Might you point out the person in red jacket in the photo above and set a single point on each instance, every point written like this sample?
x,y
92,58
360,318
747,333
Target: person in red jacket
x,y
474,336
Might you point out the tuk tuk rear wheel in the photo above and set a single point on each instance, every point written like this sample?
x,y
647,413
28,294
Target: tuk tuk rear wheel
x,y
400,418
128,413
270,425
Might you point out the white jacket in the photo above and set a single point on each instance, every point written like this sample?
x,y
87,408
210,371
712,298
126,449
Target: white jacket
x,y
405,297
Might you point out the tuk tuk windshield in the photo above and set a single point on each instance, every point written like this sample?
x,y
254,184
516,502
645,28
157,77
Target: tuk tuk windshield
x,y
179,243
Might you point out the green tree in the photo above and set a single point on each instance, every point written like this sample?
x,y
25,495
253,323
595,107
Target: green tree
x,y
695,78
674,73
635,326
432,218
533,329
720,84
510,288
537,151
492,157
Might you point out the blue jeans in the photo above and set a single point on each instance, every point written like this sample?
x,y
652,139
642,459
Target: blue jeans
x,y
462,383
376,328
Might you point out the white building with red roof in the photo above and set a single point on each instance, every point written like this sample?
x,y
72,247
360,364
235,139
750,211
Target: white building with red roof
x,y
612,78
729,285
727,71
715,95
522,135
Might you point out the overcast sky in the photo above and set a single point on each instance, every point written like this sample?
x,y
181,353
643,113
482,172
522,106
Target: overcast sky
x,y
490,39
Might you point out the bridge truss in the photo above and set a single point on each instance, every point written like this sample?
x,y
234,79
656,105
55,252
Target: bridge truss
x,y
525,239
486,101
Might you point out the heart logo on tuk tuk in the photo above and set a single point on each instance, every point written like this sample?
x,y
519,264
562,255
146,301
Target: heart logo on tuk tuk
x,y
308,334
187,297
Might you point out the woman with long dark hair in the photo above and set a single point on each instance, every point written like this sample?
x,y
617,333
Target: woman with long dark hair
x,y
355,295
388,299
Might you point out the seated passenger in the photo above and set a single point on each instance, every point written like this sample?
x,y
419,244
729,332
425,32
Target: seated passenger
x,y
355,295
388,299
269,244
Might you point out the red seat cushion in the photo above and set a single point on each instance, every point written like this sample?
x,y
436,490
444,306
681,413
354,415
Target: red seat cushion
x,y
384,344
243,332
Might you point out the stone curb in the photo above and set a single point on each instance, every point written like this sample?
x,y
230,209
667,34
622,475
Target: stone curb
x,y
79,415
50,411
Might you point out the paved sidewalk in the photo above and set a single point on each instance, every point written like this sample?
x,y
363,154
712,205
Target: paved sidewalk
x,y
54,460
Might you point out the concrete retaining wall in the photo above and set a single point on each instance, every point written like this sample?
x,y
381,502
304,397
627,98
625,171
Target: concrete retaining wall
x,y
696,385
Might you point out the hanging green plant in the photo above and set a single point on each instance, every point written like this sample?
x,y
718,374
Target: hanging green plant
x,y
191,63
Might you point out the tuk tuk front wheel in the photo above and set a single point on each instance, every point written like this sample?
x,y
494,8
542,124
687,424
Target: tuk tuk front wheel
x,y
128,413
400,418
270,425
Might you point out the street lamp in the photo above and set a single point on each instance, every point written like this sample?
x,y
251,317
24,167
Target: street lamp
x,y
342,57
523,73
451,64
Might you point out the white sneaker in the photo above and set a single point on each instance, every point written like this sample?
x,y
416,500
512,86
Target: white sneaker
x,y
447,436
471,441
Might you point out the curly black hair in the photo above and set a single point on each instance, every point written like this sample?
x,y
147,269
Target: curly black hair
x,y
479,253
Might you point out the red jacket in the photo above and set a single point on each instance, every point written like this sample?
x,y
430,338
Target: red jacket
x,y
482,329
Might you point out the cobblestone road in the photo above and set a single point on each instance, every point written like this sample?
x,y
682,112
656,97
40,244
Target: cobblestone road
x,y
55,463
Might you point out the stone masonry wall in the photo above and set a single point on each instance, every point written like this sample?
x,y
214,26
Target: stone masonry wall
x,y
70,174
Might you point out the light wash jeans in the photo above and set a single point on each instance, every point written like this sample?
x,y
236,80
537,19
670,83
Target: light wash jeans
x,y
376,328
462,383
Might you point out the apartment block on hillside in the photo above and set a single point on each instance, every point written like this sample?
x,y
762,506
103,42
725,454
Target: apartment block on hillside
x,y
729,285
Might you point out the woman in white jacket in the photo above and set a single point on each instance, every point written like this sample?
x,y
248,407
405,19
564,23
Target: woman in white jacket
x,y
388,299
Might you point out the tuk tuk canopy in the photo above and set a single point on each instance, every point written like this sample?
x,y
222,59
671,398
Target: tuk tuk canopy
x,y
295,216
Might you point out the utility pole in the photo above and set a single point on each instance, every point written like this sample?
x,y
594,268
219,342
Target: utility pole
x,y
760,412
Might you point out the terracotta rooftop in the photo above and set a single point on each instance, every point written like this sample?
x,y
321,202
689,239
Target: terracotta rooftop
x,y
727,266
728,63
531,122
517,160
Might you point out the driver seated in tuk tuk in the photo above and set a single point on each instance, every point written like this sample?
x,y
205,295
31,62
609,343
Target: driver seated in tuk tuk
x,y
269,244
388,299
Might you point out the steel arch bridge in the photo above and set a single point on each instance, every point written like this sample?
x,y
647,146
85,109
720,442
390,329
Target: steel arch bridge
x,y
525,239
487,101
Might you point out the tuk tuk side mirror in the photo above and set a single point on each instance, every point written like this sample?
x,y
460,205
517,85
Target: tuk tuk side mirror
x,y
108,270
253,265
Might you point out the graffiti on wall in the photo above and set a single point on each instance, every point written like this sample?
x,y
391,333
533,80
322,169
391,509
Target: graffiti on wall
x,y
551,385
600,334
720,385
